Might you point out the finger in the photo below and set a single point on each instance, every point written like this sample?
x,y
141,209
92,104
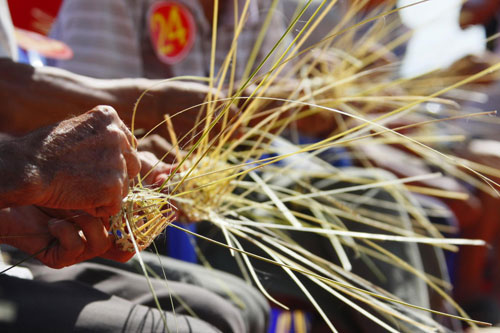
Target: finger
x,y
160,179
132,160
133,163
97,240
111,202
130,137
69,247
125,188
161,173
125,180
106,221
91,211
152,168
116,254
105,211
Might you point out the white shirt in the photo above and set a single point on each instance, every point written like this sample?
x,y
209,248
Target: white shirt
x,y
7,42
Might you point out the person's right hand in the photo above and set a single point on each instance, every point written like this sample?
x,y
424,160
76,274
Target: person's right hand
x,y
83,163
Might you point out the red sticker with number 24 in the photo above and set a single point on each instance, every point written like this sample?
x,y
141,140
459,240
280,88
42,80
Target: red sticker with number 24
x,y
172,31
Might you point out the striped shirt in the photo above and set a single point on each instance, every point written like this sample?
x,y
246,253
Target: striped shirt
x,y
112,38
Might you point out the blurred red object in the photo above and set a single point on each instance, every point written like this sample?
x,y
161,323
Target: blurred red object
x,y
34,15
43,45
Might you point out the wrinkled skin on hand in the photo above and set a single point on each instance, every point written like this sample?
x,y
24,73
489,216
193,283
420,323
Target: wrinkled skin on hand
x,y
84,163
68,237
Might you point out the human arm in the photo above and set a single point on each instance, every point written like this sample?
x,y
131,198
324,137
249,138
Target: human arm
x,y
31,97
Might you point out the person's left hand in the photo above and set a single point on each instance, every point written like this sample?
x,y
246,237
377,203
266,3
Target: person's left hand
x,y
154,171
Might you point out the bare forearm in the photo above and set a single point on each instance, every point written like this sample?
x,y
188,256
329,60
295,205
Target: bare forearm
x,y
34,97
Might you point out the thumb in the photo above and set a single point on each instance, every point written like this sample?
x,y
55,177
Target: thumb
x,y
69,246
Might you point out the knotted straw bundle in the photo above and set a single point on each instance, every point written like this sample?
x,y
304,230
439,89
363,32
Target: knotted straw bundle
x,y
144,215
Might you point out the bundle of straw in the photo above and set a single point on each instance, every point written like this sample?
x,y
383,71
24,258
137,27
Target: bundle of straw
x,y
142,218
259,187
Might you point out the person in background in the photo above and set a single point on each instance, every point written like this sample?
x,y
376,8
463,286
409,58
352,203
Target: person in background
x,y
53,90
483,12
160,39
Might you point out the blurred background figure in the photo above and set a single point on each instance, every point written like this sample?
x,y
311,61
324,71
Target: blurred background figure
x,y
158,39
34,15
435,26
33,20
485,13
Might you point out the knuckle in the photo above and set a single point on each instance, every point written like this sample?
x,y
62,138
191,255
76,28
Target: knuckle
x,y
106,110
104,113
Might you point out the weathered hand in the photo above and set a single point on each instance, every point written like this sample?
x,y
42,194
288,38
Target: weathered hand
x,y
66,237
83,163
96,242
